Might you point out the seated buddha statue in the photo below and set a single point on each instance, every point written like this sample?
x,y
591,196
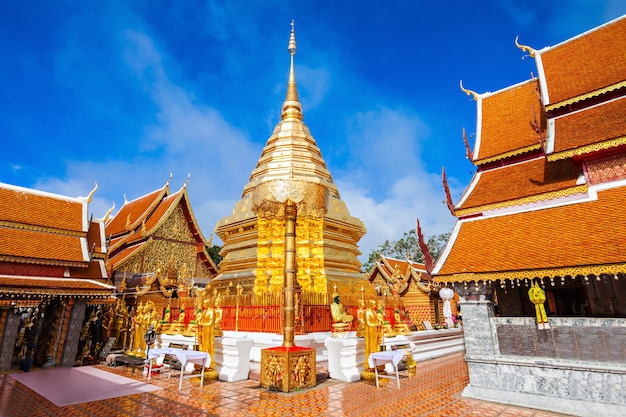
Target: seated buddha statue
x,y
341,320
400,327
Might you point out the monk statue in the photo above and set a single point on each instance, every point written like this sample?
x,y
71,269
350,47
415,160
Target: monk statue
x,y
341,320
400,327
218,316
138,328
372,326
360,318
207,330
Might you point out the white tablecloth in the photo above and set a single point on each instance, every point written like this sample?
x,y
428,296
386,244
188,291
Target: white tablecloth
x,y
389,356
183,355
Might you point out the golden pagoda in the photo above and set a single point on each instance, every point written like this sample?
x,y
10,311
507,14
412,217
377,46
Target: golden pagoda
x,y
291,168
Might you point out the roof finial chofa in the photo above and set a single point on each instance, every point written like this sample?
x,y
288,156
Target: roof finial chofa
x,y
524,48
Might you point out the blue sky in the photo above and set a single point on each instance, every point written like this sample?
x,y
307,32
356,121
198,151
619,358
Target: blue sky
x,y
124,93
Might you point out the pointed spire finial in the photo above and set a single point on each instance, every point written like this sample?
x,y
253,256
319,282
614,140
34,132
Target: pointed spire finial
x,y
292,39
292,107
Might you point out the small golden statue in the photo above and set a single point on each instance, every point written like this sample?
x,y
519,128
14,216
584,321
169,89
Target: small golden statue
x,y
360,317
372,330
341,320
218,316
400,327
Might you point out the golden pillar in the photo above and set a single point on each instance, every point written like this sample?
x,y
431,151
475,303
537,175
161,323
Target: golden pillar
x,y
290,274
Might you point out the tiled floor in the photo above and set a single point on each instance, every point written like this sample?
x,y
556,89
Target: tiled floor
x,y
435,391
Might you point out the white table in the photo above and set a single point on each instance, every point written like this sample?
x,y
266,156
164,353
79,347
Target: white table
x,y
389,356
184,356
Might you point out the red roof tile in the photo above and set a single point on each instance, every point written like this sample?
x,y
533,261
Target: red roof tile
x,y
586,63
507,122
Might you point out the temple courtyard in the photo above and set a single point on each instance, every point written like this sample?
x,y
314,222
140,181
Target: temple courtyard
x,y
434,391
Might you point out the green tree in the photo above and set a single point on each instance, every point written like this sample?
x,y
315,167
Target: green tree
x,y
214,253
408,246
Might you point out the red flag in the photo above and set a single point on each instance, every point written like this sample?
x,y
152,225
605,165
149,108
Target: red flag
x,y
468,150
428,259
449,202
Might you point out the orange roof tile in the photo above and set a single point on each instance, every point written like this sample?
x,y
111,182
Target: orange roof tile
x,y
39,247
137,210
94,237
586,63
506,122
574,235
593,126
513,182
30,207
124,254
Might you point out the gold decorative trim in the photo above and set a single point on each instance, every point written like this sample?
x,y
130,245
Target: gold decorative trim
x,y
33,228
582,97
579,189
597,270
18,259
514,152
582,150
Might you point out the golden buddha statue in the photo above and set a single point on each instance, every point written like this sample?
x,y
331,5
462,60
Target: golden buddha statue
x,y
341,320
400,327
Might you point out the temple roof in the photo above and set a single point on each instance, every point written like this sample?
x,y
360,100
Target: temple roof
x,y
569,239
136,211
135,225
586,65
40,228
40,286
506,121
549,205
584,132
27,207
398,274
527,181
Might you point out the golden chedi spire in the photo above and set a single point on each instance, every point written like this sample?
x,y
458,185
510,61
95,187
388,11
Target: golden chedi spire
x,y
290,168
292,109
